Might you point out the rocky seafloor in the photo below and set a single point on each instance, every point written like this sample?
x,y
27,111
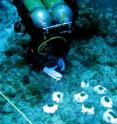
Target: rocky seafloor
x,y
92,62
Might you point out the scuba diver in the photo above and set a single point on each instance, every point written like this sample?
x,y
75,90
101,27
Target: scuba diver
x,y
49,23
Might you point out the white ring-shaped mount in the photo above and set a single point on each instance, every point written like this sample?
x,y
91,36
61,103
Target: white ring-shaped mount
x,y
100,89
110,117
106,101
50,109
80,97
57,97
89,109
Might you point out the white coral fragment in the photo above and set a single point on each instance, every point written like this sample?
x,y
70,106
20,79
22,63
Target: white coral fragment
x,y
80,97
57,97
50,109
106,101
84,84
110,117
89,109
100,89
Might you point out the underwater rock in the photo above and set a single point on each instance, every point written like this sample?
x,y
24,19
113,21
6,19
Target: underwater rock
x,y
50,109
26,79
7,109
112,41
17,60
3,41
57,120
110,117
9,90
88,75
87,21
114,98
80,97
57,97
5,4
8,16
2,58
95,47
106,101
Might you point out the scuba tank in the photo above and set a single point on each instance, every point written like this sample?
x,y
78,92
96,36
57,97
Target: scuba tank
x,y
62,16
55,37
39,14
60,11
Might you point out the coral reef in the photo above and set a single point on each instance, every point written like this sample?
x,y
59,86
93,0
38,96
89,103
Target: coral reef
x,y
91,71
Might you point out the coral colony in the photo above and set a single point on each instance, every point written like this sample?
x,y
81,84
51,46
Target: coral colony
x,y
108,116
80,97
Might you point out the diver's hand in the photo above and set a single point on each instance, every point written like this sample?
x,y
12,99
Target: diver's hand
x,y
61,64
52,73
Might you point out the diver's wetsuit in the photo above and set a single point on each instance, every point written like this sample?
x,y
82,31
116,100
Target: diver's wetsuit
x,y
36,60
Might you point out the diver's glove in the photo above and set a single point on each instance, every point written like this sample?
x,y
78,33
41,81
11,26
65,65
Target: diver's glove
x,y
61,64
51,72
